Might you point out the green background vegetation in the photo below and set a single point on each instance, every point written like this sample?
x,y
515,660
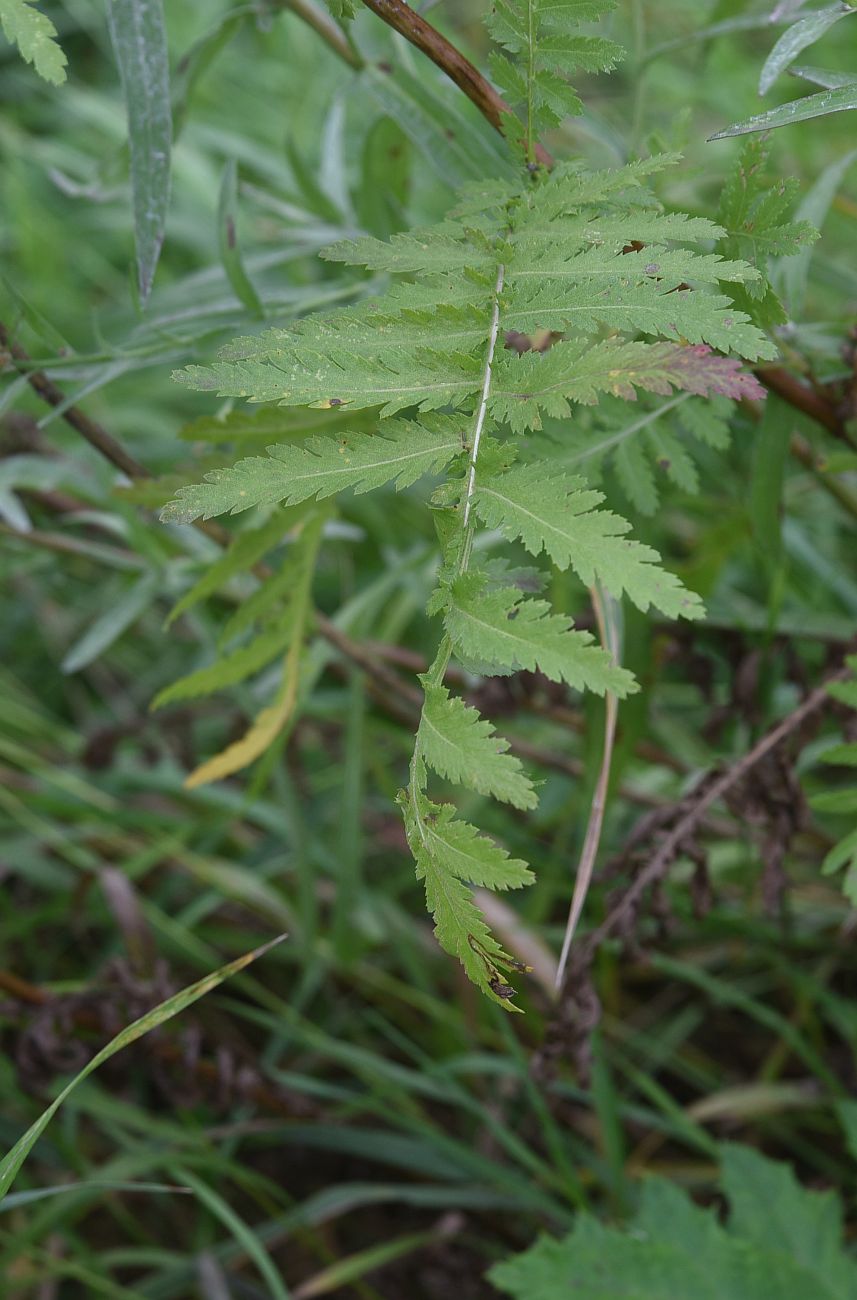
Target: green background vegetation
x,y
349,1117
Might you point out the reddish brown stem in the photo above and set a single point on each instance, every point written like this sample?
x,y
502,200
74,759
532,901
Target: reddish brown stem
x,y
94,433
492,106
802,398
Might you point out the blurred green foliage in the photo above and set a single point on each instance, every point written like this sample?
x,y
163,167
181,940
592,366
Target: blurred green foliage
x,y
350,1120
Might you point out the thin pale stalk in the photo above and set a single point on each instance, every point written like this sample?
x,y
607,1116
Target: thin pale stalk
x,y
609,634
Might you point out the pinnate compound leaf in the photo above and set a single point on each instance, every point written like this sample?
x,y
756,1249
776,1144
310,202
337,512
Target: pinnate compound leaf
x,y
541,46
503,627
548,260
320,467
558,515
35,36
780,1240
459,745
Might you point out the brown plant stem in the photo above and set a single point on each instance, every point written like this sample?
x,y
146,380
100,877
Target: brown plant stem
x,y
803,452
802,398
428,40
709,794
94,433
324,26
492,106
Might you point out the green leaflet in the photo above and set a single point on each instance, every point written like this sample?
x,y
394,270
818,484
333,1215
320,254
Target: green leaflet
x,y
643,444
780,1241
277,607
756,218
459,745
36,37
449,853
506,628
232,668
542,39
320,467
243,553
534,385
557,515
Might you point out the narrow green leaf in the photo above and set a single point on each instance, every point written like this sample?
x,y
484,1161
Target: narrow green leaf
x,y
798,110
234,1224
814,208
110,625
95,1187
230,252
353,1268
232,668
140,44
824,77
457,147
245,549
12,1162
770,453
804,32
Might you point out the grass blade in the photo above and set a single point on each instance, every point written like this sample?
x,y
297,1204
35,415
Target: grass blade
x,y
244,1235
804,32
140,44
230,253
14,1159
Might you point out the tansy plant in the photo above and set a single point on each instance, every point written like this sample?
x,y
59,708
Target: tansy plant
x,y
536,295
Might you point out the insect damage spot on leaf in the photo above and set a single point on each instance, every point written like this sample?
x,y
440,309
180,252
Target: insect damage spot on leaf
x,y
504,991
540,341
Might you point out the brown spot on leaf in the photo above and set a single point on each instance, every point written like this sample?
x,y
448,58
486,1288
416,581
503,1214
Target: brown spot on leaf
x,y
504,991
540,341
